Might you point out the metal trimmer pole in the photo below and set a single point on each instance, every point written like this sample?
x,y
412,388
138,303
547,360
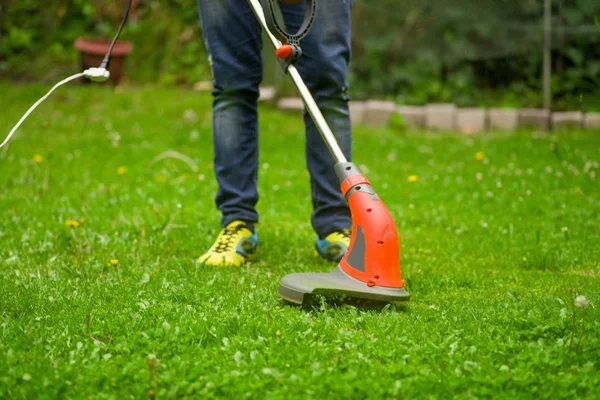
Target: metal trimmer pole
x,y
317,117
309,102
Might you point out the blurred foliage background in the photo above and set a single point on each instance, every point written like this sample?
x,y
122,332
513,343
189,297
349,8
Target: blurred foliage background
x,y
470,52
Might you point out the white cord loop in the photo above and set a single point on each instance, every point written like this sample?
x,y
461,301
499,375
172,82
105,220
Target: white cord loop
x,y
99,74
37,103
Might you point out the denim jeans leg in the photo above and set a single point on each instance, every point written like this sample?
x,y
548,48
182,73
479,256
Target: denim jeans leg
x,y
233,40
326,52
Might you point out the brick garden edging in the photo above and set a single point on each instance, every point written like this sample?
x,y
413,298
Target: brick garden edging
x,y
449,117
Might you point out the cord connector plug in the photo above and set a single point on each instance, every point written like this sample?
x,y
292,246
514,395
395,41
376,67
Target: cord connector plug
x,y
97,74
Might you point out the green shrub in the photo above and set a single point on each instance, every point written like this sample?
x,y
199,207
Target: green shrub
x,y
416,51
419,51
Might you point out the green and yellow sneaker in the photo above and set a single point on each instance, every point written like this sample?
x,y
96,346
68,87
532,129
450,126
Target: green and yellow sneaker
x,y
234,246
333,246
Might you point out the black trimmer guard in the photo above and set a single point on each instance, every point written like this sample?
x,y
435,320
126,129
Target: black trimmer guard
x,y
303,288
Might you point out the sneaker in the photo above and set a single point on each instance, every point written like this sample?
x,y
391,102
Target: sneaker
x,y
333,246
234,246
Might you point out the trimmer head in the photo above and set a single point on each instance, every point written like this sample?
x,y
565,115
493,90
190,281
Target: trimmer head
x,y
303,288
370,268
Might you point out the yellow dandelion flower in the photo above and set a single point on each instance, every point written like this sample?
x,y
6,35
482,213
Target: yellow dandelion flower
x,y
114,262
413,178
578,190
38,158
121,170
480,155
71,223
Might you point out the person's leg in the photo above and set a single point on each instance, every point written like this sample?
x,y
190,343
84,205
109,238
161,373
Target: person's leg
x,y
323,67
233,40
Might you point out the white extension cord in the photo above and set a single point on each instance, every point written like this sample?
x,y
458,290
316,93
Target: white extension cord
x,y
99,74
94,74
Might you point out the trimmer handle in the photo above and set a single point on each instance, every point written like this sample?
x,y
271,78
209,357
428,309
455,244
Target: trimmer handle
x,y
280,33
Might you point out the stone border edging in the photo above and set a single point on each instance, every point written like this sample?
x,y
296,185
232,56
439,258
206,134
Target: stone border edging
x,y
449,117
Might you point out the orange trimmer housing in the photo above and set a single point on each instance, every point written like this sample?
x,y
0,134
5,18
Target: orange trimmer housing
x,y
373,255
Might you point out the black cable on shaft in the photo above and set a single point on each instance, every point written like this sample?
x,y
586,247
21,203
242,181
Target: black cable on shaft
x,y
106,60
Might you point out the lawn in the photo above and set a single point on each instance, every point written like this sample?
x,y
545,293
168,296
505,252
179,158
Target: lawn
x,y
499,234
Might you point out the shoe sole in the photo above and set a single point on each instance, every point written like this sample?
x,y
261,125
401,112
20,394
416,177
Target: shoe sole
x,y
250,257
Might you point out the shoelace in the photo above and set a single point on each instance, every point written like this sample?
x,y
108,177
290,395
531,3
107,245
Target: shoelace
x,y
346,233
225,241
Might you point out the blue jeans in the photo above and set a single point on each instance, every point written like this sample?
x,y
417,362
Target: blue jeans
x,y
233,40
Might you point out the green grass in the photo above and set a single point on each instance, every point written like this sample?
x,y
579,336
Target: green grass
x,y
493,253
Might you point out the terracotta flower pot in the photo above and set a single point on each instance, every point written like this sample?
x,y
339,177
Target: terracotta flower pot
x,y
93,50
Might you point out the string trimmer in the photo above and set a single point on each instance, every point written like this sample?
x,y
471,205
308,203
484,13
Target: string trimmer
x,y
370,269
